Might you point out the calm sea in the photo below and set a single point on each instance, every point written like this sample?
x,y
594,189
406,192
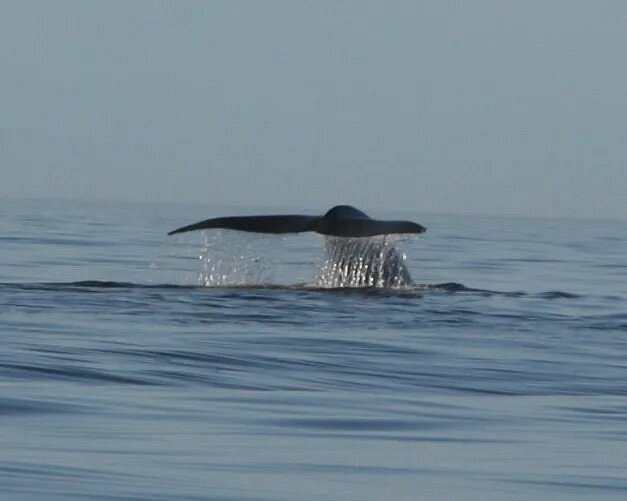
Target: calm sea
x,y
503,375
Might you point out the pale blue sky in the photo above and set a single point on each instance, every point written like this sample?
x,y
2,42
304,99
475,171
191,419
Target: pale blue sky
x,y
463,107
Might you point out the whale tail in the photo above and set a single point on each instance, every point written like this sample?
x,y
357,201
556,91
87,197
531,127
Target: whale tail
x,y
352,261
340,221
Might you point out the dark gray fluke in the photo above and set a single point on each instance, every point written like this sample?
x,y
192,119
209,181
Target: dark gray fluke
x,y
340,221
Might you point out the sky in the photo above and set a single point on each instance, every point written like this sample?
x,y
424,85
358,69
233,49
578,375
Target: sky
x,y
490,107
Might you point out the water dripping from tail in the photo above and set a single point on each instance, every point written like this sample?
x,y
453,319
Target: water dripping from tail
x,y
363,262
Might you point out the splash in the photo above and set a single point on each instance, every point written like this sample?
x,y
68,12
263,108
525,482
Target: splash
x,y
231,261
363,262
235,259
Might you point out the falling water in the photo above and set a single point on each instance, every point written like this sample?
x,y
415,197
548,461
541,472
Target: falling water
x,y
362,262
229,259
236,259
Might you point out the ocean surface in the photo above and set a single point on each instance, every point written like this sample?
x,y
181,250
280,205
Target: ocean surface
x,y
216,365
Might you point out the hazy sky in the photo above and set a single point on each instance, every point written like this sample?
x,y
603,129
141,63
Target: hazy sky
x,y
513,107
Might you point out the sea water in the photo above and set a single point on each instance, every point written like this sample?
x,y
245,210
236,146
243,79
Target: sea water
x,y
216,366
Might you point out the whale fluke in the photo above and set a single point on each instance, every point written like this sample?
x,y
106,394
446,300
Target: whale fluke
x,y
340,221
257,224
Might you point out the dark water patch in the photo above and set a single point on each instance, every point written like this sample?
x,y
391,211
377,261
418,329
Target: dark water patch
x,y
533,260
263,292
76,373
169,356
363,425
454,287
88,285
610,266
607,322
10,406
606,412
183,378
33,480
430,436
310,344
66,472
97,284
237,290
557,295
581,484
331,468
